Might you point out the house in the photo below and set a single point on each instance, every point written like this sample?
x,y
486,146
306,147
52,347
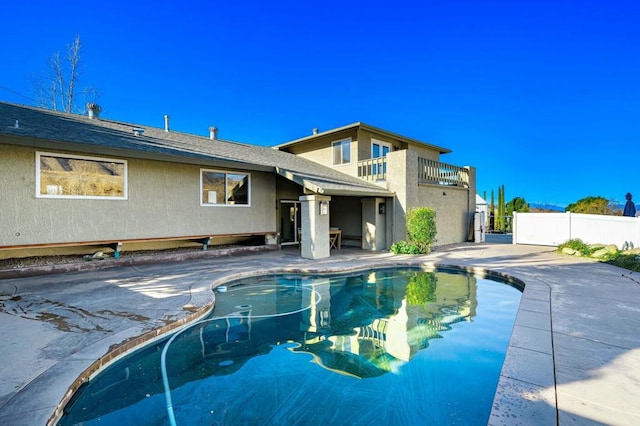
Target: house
x,y
406,167
483,208
70,183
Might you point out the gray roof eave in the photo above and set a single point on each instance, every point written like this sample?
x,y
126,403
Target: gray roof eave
x,y
362,126
158,154
344,188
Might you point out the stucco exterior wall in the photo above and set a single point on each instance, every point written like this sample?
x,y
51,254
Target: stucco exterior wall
x,y
398,171
346,214
163,201
364,139
452,205
319,151
424,152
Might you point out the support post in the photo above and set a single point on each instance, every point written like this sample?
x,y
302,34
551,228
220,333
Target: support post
x,y
315,226
116,247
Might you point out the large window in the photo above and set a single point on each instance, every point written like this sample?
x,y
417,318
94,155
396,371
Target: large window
x,y
341,152
222,188
73,176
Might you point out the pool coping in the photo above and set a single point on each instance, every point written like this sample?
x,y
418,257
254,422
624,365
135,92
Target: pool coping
x,y
514,377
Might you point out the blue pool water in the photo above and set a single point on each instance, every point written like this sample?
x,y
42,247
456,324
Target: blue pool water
x,y
389,347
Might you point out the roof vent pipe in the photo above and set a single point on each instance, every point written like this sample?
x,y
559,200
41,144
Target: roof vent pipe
x,y
166,123
213,133
314,131
93,109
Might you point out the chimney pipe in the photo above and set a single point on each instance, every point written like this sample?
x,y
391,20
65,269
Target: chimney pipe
x,y
213,133
314,131
94,110
166,123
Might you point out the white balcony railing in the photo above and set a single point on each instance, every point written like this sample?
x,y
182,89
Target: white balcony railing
x,y
373,169
429,172
437,173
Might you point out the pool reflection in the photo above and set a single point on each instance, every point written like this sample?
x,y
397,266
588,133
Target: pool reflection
x,y
363,326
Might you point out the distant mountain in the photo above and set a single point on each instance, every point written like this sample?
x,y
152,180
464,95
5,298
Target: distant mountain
x,y
546,206
554,207
621,206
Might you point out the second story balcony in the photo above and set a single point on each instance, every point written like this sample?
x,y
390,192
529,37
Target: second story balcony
x,y
430,172
437,173
373,169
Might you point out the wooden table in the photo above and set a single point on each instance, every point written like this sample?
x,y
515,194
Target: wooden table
x,y
335,239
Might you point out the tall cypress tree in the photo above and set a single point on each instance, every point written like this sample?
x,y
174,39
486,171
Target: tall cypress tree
x,y
501,220
492,213
504,210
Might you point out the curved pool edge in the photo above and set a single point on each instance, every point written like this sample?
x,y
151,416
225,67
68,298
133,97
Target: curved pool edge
x,y
121,350
513,377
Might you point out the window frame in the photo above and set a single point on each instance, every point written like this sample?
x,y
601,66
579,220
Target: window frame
x,y
340,143
125,176
381,145
226,173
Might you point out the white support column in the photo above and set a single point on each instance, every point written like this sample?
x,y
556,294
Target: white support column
x,y
315,226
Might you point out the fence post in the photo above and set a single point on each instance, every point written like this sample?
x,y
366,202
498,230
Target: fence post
x,y
514,231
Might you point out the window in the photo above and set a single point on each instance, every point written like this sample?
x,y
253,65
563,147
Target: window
x,y
379,148
342,152
221,188
73,176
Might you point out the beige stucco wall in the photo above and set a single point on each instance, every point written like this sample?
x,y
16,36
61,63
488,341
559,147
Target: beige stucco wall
x,y
163,201
346,214
424,152
319,151
454,206
364,139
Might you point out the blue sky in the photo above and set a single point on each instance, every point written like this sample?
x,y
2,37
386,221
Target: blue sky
x,y
541,96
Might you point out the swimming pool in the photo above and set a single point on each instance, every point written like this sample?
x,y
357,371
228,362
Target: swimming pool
x,y
390,346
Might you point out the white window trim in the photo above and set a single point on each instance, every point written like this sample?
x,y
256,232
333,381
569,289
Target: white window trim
x,y
226,172
381,143
333,144
81,157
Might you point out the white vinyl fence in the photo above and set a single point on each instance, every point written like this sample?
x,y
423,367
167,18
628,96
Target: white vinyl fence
x,y
553,229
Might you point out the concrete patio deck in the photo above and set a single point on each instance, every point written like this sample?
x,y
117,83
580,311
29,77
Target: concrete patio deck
x,y
574,355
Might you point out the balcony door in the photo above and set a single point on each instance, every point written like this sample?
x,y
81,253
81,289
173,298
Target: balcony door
x,y
379,149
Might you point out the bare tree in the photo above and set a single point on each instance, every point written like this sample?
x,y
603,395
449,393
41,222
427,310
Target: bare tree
x,y
59,88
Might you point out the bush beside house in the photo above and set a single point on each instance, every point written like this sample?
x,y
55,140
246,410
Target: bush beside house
x,y
421,232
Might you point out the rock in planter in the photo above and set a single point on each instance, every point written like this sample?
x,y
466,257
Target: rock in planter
x,y
95,256
570,252
611,248
598,254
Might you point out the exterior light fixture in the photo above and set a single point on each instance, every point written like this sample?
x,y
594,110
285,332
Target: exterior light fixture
x,y
324,208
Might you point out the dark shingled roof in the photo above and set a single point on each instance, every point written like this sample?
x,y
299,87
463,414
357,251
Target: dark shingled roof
x,y
41,128
363,126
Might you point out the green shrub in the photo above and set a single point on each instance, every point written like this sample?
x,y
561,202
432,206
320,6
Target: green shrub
x,y
404,247
421,232
627,261
578,245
